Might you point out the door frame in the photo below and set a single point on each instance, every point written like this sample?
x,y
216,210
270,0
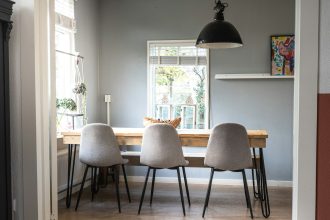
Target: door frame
x,y
305,110
46,146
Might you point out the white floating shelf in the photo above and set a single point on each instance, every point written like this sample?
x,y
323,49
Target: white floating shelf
x,y
250,76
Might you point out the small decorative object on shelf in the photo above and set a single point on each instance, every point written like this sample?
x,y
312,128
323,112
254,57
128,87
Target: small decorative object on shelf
x,y
174,122
282,54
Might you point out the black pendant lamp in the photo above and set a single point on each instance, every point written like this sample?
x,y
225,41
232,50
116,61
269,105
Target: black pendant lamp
x,y
219,33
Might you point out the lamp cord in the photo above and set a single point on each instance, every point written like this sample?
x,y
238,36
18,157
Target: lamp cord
x,y
219,9
219,6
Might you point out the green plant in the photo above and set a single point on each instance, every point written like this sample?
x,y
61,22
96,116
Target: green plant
x,y
200,94
80,88
200,91
166,75
66,104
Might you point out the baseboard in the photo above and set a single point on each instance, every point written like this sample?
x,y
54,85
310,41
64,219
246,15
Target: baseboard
x,y
62,189
228,182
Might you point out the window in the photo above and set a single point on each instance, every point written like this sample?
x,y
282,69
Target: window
x,y
65,63
178,80
64,42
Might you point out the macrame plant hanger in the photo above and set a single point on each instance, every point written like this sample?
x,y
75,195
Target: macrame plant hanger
x,y
80,89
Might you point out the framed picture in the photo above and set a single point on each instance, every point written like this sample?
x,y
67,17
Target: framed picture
x,y
282,54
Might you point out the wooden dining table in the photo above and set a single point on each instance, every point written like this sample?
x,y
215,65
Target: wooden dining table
x,y
189,138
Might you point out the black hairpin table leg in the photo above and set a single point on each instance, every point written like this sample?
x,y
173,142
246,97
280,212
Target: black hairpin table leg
x,y
259,176
264,198
255,176
71,162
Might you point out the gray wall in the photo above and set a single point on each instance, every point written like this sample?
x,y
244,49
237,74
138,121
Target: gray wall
x,y
125,27
324,77
87,43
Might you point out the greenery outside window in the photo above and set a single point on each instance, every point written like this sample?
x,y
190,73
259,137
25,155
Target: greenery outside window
x,y
178,83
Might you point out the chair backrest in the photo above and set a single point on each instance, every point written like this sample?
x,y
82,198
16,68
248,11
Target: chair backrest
x,y
98,146
161,147
228,148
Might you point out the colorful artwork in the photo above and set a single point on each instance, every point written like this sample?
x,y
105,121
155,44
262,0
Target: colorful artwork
x,y
283,54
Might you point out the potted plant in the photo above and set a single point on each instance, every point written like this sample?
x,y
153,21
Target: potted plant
x,y
80,90
63,106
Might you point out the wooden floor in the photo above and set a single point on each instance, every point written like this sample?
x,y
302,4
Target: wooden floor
x,y
226,202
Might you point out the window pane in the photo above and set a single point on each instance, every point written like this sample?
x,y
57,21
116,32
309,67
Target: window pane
x,y
168,51
180,90
188,51
65,7
201,52
65,66
154,51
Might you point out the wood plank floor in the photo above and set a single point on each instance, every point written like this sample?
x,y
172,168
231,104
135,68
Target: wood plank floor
x,y
226,202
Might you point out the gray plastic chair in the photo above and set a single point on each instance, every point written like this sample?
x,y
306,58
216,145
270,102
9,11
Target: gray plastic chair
x,y
99,149
161,149
228,150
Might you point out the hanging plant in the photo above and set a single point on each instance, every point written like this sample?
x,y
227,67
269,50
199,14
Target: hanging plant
x,y
80,89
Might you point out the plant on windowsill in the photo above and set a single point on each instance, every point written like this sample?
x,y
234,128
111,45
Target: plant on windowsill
x,y
66,104
63,106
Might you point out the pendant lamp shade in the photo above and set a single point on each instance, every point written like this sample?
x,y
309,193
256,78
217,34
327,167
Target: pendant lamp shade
x,y
219,33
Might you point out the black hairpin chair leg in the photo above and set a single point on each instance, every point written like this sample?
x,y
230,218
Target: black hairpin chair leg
x,y
152,185
117,186
126,183
206,203
81,187
186,184
247,194
144,190
94,187
181,193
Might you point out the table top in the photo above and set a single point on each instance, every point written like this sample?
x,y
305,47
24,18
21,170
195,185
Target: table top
x,y
137,132
191,137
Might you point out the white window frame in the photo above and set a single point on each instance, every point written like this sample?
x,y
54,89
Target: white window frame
x,y
72,50
150,77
